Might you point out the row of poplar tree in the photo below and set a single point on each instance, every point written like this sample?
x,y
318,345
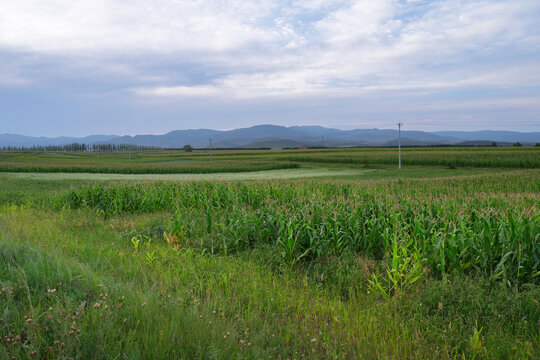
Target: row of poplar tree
x,y
75,147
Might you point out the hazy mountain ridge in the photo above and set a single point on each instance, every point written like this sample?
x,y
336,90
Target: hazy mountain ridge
x,y
280,136
22,140
492,135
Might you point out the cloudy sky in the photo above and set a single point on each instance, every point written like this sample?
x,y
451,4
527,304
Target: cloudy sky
x,y
133,66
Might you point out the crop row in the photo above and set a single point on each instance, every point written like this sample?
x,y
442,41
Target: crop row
x,y
151,169
443,230
458,158
453,157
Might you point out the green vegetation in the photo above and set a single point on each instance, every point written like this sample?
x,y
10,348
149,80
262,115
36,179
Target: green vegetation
x,y
456,157
304,172
146,169
448,232
425,262
150,162
198,161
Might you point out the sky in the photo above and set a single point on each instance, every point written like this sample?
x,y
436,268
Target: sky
x,y
84,67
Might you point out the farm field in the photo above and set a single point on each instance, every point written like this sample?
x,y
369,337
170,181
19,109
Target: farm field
x,y
318,254
199,162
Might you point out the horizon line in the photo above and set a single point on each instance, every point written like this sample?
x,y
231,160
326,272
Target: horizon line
x,y
259,125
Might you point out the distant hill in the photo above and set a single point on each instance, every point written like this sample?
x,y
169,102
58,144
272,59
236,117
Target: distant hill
x,y
21,140
280,136
490,135
276,137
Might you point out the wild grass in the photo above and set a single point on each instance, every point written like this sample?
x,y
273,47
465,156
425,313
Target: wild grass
x,y
306,172
95,296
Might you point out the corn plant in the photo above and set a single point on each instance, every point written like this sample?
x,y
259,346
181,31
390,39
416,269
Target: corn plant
x,y
405,267
444,225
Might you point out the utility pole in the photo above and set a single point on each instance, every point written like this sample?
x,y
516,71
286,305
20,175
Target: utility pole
x,y
399,142
210,149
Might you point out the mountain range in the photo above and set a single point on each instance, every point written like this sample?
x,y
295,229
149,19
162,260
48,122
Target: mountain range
x,y
276,137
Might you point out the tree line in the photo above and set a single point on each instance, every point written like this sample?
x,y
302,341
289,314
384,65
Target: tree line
x,y
76,147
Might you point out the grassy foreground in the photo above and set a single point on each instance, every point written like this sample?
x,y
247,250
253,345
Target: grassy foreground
x,y
371,265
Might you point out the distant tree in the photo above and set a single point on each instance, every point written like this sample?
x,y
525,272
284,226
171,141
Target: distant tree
x,y
537,144
518,144
494,144
188,148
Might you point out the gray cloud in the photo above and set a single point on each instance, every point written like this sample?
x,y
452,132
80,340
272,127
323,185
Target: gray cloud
x,y
273,52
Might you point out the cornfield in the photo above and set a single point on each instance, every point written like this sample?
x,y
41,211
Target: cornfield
x,y
488,225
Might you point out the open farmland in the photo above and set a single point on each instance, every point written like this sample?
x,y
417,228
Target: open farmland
x,y
353,259
199,161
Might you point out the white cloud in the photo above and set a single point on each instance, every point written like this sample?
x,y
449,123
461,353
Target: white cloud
x,y
64,26
249,48
173,91
363,21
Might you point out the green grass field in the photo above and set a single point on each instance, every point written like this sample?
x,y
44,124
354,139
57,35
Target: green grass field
x,y
340,256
